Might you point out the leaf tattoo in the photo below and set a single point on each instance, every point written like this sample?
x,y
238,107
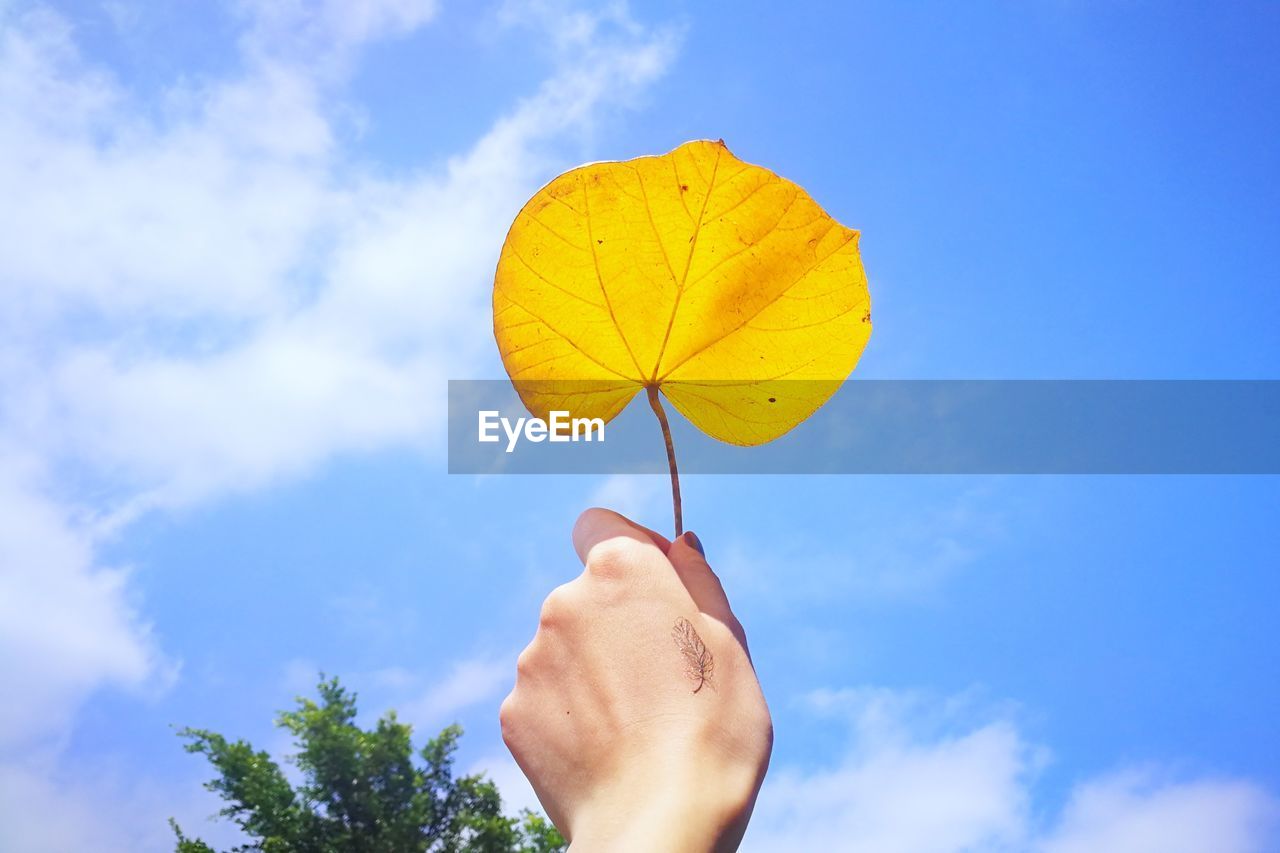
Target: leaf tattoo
x,y
698,662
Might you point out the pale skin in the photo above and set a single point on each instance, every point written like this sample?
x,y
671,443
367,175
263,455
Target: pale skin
x,y
637,715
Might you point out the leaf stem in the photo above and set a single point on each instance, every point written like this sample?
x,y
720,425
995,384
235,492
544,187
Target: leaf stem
x,y
656,404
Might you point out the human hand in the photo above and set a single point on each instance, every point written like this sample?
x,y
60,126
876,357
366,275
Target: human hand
x,y
636,714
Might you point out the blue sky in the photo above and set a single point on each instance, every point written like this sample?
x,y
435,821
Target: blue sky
x,y
246,245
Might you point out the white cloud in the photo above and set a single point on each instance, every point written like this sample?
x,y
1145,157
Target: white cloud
x,y
324,33
469,682
1136,811
67,626
50,810
902,787
207,292
922,775
255,301
133,220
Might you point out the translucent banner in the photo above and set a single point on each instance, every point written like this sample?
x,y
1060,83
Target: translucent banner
x,y
894,427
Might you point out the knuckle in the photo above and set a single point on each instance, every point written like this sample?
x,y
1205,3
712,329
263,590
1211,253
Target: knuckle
x,y
614,558
551,613
558,607
525,663
508,717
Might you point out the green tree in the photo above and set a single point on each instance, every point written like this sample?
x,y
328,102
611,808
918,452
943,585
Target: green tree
x,y
362,791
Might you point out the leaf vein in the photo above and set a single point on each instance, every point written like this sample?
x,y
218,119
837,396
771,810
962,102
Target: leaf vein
x,y
693,245
793,326
515,254
761,309
595,259
727,258
555,233
567,339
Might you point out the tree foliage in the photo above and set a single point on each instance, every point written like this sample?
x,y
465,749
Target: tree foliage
x,y
362,791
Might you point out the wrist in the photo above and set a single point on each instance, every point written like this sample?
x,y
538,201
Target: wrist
x,y
688,810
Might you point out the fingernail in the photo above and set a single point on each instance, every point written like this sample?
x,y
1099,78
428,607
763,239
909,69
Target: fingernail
x,y
692,540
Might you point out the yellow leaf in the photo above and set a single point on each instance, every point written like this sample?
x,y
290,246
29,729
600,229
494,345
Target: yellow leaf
x,y
713,280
